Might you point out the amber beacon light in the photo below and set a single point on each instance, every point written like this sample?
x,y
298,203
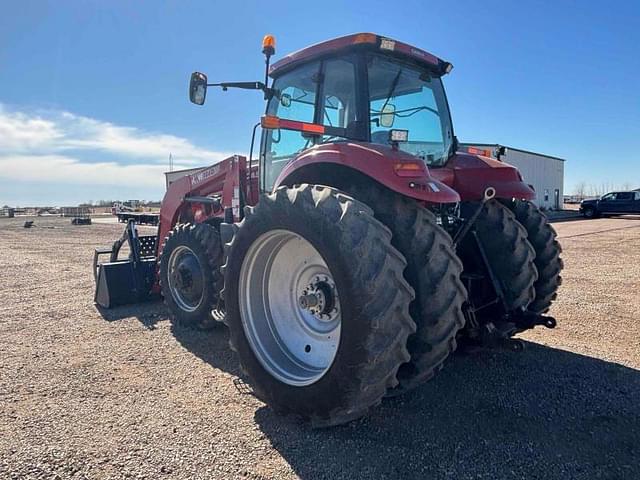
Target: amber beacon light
x,y
269,45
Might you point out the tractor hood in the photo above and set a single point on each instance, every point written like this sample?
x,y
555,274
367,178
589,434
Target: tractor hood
x,y
397,170
470,175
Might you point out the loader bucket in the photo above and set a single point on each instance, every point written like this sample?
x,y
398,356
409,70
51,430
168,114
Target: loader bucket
x,y
130,280
123,282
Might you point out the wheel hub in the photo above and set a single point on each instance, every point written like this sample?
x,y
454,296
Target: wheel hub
x,y
319,299
186,280
290,308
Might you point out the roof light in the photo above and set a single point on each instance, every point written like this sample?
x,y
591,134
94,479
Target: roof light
x,y
448,67
387,44
365,38
269,45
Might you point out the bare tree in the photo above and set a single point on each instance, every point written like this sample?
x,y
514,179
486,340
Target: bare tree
x,y
580,190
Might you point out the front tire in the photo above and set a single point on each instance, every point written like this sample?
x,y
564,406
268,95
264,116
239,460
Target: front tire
x,y
357,295
190,277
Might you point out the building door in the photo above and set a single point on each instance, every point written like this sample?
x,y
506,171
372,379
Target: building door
x,y
556,199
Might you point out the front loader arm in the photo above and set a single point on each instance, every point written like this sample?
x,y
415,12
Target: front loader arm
x,y
203,195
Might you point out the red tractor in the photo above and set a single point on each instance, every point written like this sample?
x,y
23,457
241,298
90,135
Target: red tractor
x,y
350,258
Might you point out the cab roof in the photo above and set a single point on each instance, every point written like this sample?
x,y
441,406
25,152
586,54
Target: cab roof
x,y
369,41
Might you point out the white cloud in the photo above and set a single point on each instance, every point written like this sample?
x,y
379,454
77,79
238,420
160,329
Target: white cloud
x,y
59,147
90,134
21,132
51,131
66,170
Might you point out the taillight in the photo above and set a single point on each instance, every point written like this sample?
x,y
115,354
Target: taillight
x,y
409,169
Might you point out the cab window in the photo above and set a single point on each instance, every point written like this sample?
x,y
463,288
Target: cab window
x,y
406,97
295,99
339,98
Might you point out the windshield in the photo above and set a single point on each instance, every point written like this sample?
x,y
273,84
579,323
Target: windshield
x,y
406,97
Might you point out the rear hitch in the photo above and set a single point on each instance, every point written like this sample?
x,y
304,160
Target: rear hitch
x,y
525,320
496,335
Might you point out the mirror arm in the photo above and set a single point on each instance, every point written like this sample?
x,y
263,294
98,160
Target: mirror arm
x,y
244,85
268,92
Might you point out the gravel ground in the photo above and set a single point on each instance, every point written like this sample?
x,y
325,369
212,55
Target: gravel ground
x,y
118,394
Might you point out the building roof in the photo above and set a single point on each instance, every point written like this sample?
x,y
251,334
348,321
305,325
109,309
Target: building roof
x,y
497,145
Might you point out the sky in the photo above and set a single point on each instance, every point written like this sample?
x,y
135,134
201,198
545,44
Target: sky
x,y
93,94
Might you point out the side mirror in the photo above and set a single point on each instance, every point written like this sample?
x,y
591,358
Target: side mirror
x,y
387,116
198,88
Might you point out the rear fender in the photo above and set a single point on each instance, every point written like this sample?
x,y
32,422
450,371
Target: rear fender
x,y
377,162
470,175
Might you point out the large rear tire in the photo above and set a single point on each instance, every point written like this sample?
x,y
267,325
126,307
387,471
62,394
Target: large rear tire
x,y
542,237
508,252
190,277
433,270
308,263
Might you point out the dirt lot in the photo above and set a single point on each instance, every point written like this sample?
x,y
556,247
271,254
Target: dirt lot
x,y
83,396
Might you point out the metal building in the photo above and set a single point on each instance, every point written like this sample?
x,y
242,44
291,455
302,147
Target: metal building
x,y
543,172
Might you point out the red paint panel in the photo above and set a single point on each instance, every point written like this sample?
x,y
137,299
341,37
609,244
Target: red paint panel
x,y
218,179
470,175
378,162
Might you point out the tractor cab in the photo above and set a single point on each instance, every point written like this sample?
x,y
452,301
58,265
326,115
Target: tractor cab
x,y
364,105
358,88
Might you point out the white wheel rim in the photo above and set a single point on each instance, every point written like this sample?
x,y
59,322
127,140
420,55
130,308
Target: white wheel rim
x,y
289,307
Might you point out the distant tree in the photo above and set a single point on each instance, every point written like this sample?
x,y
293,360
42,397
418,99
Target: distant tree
x,y
580,190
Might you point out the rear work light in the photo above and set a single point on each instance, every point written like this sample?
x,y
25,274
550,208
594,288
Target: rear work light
x,y
398,135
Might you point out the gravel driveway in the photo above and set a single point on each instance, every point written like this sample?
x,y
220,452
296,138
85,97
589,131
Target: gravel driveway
x,y
118,394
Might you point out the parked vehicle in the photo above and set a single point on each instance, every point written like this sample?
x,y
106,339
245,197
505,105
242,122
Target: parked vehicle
x,y
614,203
350,259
